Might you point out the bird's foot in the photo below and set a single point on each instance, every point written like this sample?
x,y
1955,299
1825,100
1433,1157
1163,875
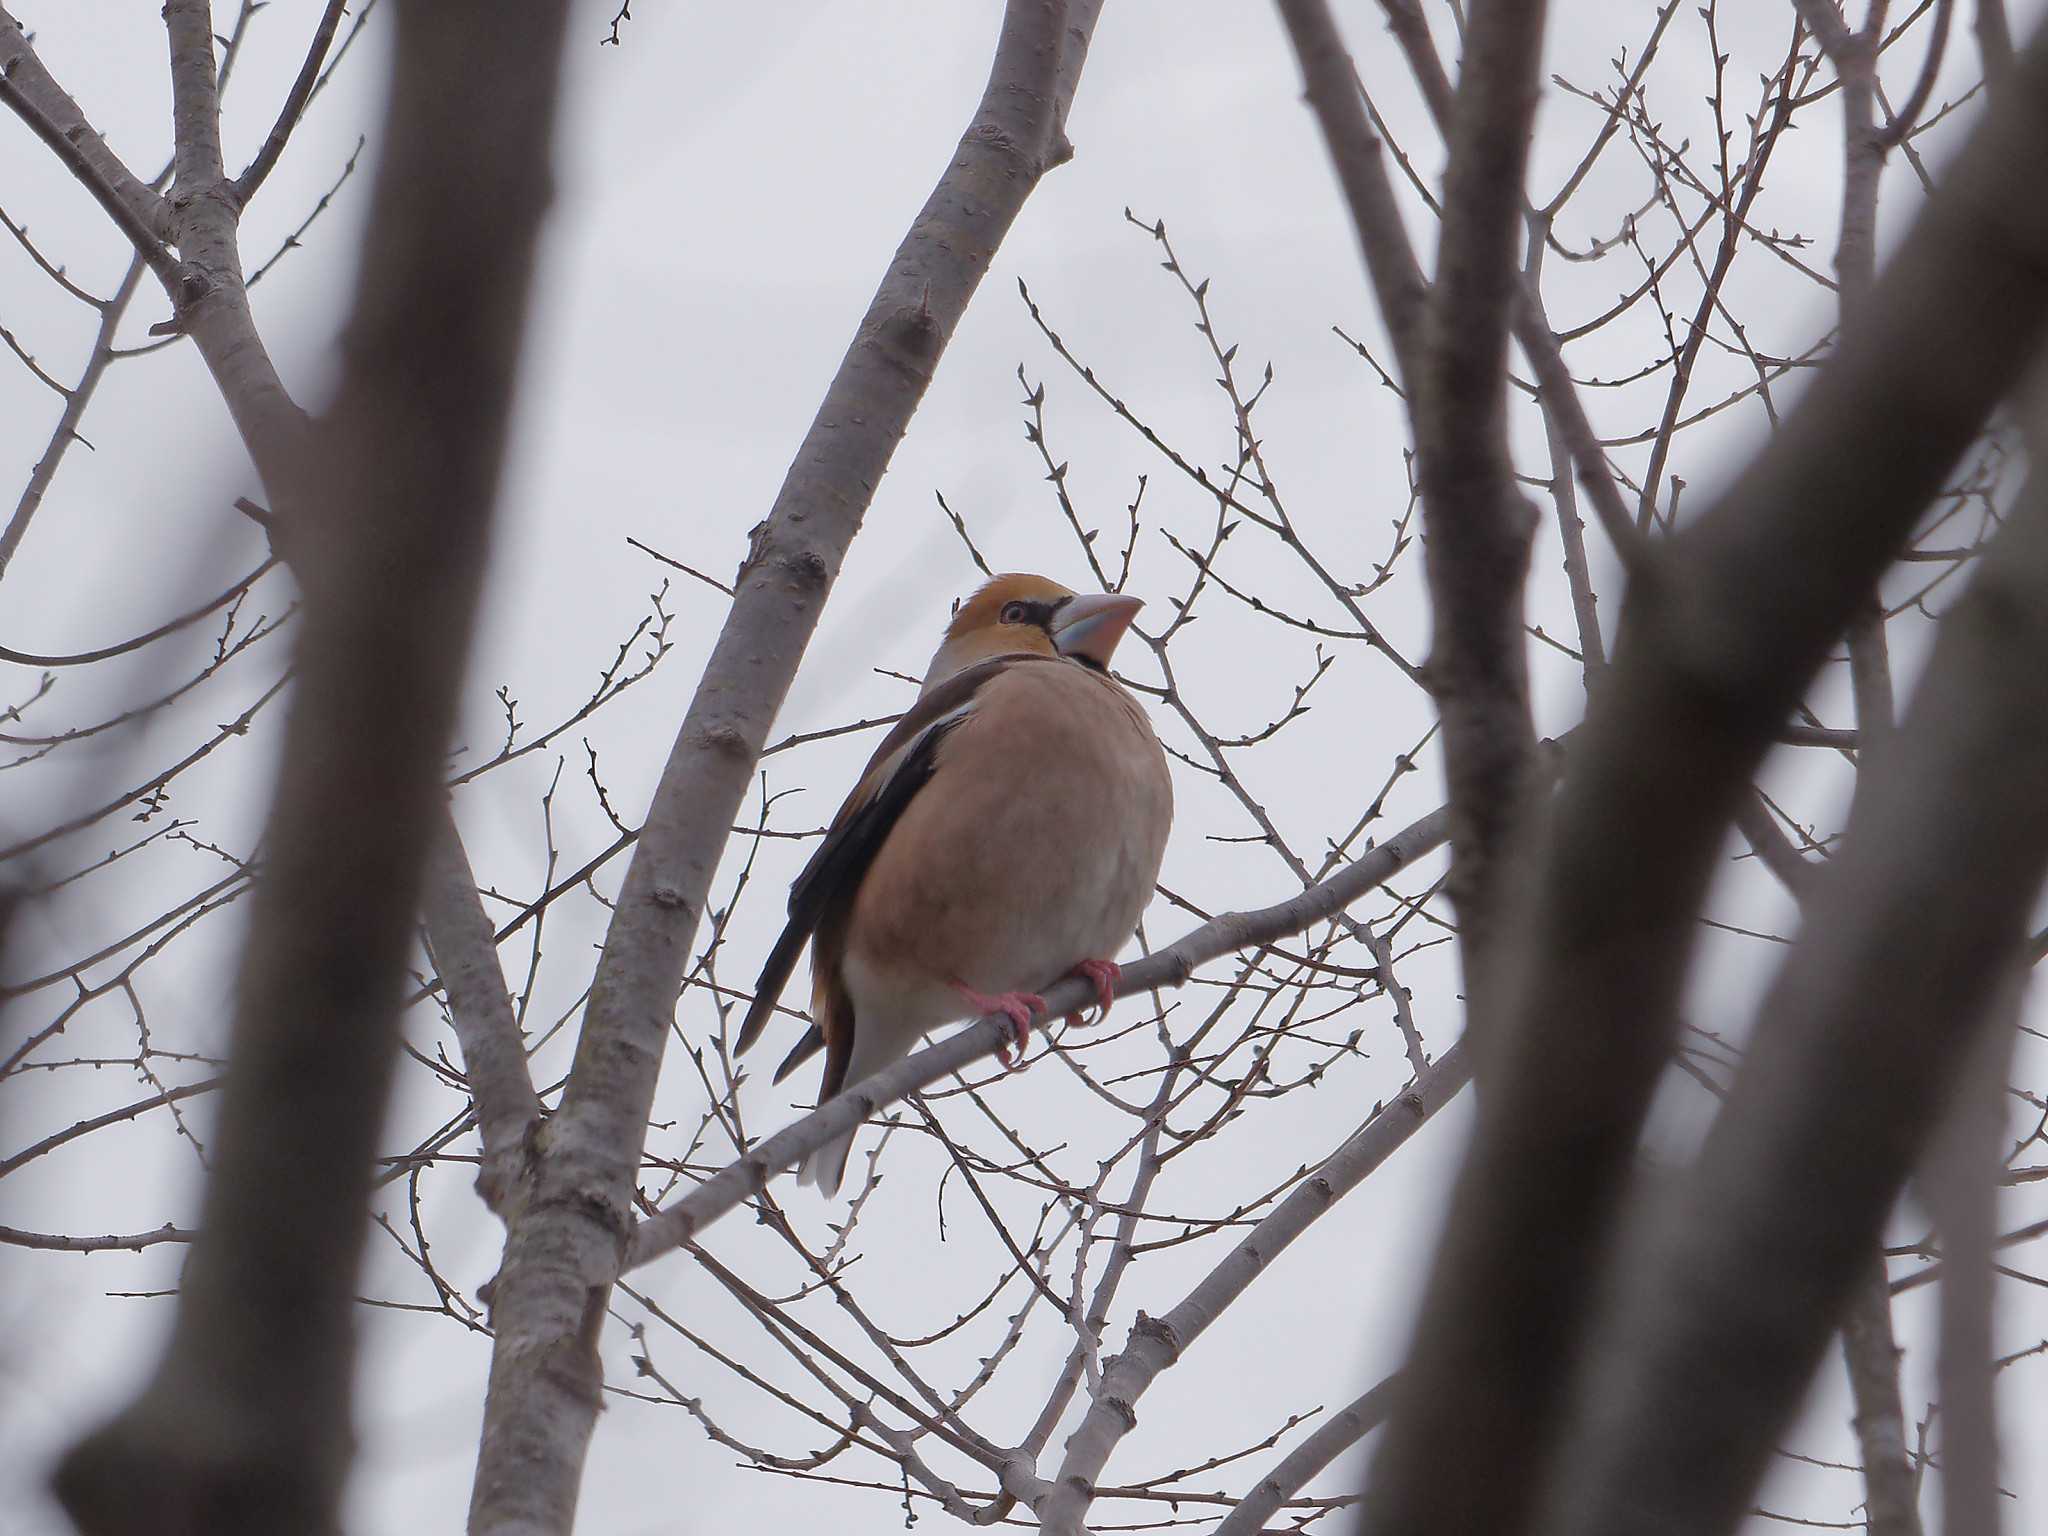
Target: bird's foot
x,y
1018,1005
1105,974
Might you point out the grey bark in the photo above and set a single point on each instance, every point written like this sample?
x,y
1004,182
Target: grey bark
x,y
465,952
575,1221
1722,626
1156,1343
1870,1351
1961,1185
1865,1030
1871,1354
245,1425
1477,527
1331,1439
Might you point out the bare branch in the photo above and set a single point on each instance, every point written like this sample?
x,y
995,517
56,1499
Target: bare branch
x,y
493,1055
1960,1182
1330,1439
1870,1352
49,110
562,1256
295,100
134,1242
1901,126
1356,153
1477,526
244,1425
1823,18
17,62
1719,634
65,433
1454,356
1157,1343
1169,967
1840,1092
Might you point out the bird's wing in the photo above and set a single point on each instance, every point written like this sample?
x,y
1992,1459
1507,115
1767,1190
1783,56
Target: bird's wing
x,y
812,1043
901,766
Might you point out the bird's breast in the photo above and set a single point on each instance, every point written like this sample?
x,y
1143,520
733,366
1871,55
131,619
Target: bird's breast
x,y
1035,845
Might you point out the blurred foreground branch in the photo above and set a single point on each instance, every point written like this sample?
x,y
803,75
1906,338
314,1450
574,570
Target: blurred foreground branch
x,y
245,1426
1723,624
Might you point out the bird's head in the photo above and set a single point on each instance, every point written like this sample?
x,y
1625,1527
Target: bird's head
x,y
1020,613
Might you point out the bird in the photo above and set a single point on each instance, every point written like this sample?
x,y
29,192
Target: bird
x,y
1007,833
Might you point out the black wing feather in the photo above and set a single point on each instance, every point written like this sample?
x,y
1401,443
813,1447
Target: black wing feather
x,y
812,1043
841,861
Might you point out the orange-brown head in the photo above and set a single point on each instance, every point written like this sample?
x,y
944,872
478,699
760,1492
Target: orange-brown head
x,y
1024,614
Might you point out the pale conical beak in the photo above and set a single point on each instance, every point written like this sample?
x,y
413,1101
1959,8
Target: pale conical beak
x,y
1090,625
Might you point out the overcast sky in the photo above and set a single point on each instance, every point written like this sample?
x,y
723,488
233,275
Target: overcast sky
x,y
731,183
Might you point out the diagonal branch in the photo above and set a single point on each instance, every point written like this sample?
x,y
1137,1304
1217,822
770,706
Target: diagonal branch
x,y
1331,1439
51,114
1358,156
1843,1085
1169,967
274,432
465,953
1722,627
208,296
247,184
1156,1343
145,215
571,1240
245,1423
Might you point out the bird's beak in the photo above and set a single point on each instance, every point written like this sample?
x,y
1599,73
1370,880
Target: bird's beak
x,y
1090,625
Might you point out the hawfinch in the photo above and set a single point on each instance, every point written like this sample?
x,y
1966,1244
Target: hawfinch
x,y
1006,834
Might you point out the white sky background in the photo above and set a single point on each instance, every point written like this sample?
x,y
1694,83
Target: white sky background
x,y
731,184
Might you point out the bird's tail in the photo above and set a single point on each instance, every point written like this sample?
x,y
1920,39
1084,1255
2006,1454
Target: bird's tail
x,y
827,1166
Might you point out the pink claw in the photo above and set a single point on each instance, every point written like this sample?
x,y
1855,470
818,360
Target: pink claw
x,y
1018,1005
1105,974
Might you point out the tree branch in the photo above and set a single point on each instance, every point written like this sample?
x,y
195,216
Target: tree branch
x,y
195,99
1870,1353
1158,1343
1451,340
1331,1439
1960,1182
1823,18
1477,528
54,118
1901,126
244,1426
571,1239
465,952
1842,1086
259,170
1358,157
1169,967
1723,625
275,432
207,214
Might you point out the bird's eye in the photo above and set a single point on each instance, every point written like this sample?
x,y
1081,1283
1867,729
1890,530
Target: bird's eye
x,y
1016,613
